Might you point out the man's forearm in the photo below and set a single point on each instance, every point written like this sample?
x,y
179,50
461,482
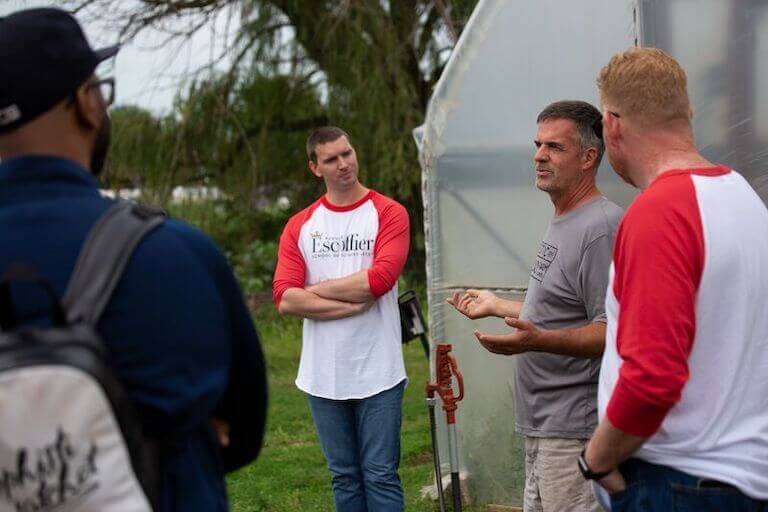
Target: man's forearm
x,y
352,288
585,341
304,304
610,446
507,308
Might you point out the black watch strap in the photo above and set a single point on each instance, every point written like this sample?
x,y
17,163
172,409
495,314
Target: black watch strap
x,y
587,472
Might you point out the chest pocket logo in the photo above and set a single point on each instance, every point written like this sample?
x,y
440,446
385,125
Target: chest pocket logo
x,y
544,259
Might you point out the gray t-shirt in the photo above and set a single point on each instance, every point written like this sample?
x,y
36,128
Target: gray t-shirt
x,y
555,395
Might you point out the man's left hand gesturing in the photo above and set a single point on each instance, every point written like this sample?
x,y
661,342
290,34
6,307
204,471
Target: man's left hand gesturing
x,y
523,339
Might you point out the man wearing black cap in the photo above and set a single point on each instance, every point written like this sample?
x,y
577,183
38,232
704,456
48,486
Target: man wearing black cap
x,y
178,334
44,60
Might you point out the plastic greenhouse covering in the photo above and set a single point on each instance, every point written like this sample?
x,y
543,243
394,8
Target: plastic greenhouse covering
x,y
484,216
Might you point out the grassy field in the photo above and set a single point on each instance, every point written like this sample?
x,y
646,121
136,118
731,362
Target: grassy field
x,y
290,474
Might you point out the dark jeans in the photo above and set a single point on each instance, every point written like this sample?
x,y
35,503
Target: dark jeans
x,y
652,488
361,442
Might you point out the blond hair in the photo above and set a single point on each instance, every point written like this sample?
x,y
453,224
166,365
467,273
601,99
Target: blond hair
x,y
646,84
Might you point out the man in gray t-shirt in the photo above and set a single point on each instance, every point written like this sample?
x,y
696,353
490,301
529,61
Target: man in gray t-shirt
x,y
556,395
560,327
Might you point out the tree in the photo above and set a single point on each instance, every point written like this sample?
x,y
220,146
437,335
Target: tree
x,y
372,62
246,137
135,154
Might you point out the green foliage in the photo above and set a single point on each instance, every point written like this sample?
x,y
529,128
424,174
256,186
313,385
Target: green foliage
x,y
241,133
142,148
255,265
247,236
245,136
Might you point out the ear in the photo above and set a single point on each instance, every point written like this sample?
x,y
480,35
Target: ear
x,y
313,168
589,157
612,129
88,108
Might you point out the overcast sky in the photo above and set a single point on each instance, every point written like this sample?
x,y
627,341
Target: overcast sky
x,y
146,74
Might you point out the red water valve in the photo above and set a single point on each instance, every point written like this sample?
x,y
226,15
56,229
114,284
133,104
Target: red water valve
x,y
446,369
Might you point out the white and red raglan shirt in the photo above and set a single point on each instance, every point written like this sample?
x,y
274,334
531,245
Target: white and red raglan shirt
x,y
686,352
358,356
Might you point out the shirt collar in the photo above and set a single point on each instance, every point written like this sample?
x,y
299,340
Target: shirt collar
x,y
44,170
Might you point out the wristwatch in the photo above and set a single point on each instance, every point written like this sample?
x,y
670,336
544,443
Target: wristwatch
x,y
587,472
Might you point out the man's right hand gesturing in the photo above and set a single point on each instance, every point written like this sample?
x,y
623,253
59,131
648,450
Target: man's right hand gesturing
x,y
475,303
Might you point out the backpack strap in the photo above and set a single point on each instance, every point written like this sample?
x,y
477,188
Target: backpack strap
x,y
104,256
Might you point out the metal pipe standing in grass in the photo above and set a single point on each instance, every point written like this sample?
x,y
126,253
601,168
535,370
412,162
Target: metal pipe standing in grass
x,y
445,368
435,452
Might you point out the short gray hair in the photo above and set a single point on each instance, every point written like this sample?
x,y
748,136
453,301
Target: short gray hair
x,y
588,121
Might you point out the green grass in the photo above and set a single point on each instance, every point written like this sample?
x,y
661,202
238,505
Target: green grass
x,y
290,474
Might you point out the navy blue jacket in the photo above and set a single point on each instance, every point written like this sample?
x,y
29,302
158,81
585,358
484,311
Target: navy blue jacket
x,y
178,333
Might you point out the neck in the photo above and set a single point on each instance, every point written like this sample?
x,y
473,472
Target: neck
x,y
571,199
39,139
672,159
348,196
658,152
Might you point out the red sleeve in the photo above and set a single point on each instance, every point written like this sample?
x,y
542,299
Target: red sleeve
x,y
392,243
291,269
658,262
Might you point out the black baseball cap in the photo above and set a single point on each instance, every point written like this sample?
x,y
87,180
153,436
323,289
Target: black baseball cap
x,y
44,57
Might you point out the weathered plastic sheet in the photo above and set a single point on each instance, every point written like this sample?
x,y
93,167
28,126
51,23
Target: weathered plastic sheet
x,y
484,216
723,47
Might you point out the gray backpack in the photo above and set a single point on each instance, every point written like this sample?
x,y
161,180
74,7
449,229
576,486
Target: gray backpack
x,y
69,436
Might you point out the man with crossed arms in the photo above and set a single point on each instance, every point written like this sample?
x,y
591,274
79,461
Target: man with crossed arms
x,y
338,265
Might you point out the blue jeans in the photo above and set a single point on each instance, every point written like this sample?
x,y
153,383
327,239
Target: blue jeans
x,y
652,488
361,442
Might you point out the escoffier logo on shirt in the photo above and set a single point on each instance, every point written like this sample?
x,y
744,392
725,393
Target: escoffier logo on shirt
x,y
339,246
